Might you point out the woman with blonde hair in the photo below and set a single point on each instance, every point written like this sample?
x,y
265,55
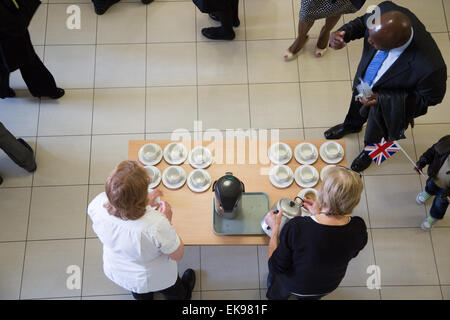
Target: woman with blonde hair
x,y
309,257
140,245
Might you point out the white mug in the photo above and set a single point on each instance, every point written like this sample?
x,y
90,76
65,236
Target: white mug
x,y
198,179
307,174
332,150
306,151
173,176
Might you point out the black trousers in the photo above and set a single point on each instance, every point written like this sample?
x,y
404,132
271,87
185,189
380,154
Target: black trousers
x,y
176,292
18,53
353,118
14,149
229,14
102,3
277,290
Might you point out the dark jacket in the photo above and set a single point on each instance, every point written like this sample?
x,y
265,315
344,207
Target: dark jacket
x,y
416,81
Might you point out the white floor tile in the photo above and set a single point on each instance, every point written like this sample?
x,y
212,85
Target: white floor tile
x,y
219,105
446,292
11,265
13,175
161,26
411,293
37,25
266,63
170,108
71,115
231,295
353,293
14,209
221,63
441,238
57,213
120,66
119,111
107,152
20,114
405,257
58,31
325,104
430,13
171,64
272,19
223,268
124,23
79,73
46,263
62,160
275,106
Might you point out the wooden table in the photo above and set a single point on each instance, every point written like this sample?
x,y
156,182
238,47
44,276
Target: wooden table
x,y
192,212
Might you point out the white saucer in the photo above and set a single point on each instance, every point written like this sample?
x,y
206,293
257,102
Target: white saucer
x,y
207,155
153,162
169,147
303,184
302,193
205,187
324,157
274,159
156,182
298,157
324,169
179,184
284,184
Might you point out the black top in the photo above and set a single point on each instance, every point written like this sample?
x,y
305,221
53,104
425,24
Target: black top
x,y
312,258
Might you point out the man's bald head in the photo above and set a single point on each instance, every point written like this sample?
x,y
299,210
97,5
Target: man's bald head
x,y
393,31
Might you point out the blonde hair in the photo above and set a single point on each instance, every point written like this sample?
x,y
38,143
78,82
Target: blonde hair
x,y
340,191
127,191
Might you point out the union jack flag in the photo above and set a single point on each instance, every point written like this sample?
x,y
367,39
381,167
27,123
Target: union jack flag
x,y
380,152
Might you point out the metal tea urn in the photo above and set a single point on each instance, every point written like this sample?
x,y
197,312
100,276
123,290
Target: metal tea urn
x,y
228,192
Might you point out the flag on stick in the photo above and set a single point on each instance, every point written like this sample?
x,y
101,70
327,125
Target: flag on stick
x,y
379,152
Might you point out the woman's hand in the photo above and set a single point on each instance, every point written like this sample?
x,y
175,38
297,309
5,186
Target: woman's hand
x,y
166,209
273,219
152,196
311,206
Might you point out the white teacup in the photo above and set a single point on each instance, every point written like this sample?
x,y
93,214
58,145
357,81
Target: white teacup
x,y
282,175
198,179
306,151
150,152
176,153
151,173
332,150
198,155
307,174
173,175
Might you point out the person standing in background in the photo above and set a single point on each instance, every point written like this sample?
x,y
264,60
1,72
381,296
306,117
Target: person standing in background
x,y
17,52
312,10
228,16
438,183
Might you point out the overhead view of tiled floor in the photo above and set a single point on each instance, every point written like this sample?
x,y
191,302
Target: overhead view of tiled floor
x,y
140,72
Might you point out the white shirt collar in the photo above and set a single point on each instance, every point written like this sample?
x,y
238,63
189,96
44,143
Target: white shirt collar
x,y
400,50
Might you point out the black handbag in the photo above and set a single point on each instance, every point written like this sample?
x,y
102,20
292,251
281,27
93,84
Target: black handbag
x,y
208,6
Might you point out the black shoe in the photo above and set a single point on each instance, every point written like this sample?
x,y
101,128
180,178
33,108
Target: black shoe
x,y
339,131
102,9
188,280
361,162
31,167
213,15
146,1
59,93
218,33
1,180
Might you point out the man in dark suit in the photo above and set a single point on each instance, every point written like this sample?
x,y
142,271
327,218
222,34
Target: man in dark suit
x,y
17,149
404,68
17,52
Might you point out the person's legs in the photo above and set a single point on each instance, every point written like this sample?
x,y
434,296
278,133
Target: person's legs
x,y
225,31
439,206
17,149
302,36
324,37
38,79
101,6
142,296
175,292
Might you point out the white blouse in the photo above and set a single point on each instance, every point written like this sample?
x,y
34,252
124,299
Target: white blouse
x,y
135,252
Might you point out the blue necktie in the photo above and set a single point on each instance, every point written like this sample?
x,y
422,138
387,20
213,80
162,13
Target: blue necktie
x,y
374,66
